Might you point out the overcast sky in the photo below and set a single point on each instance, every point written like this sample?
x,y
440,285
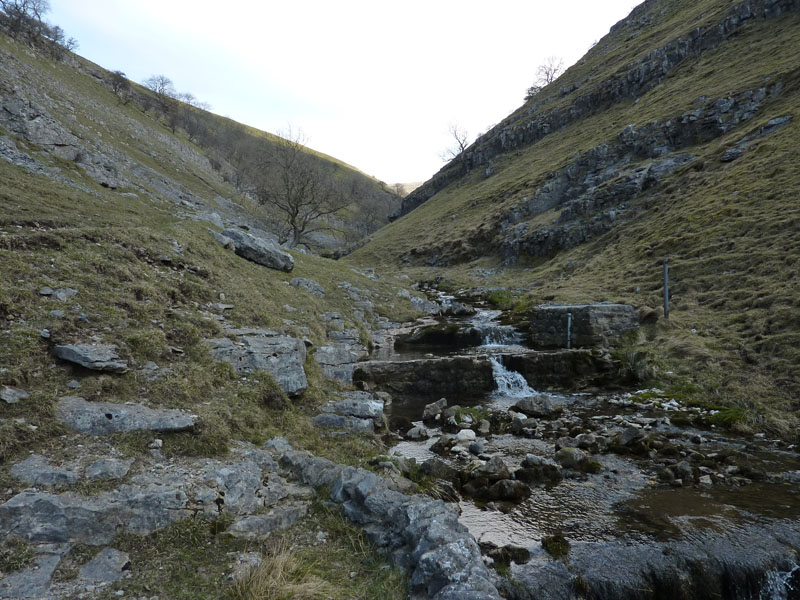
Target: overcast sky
x,y
374,83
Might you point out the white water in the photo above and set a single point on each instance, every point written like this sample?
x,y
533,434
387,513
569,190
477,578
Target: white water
x,y
777,586
510,384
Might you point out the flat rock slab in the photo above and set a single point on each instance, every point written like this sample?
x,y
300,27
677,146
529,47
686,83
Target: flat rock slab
x,y
97,357
36,471
261,526
260,250
103,418
108,566
262,350
108,468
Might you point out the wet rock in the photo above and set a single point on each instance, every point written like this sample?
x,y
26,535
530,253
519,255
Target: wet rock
x,y
592,324
705,481
477,448
97,357
630,435
585,440
353,424
509,490
465,435
494,470
263,350
570,458
260,250
428,378
439,469
453,308
540,406
108,468
683,471
11,395
103,418
417,434
539,474
310,285
107,566
433,410
36,471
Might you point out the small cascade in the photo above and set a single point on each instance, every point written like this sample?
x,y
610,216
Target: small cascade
x,y
780,585
510,384
500,335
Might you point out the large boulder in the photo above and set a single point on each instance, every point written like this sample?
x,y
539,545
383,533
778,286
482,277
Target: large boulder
x,y
260,250
580,325
541,406
262,350
103,418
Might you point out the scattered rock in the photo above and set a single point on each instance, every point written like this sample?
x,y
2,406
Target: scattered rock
x,y
540,406
36,471
433,410
417,434
309,284
255,527
64,294
97,357
11,395
357,404
108,468
570,458
630,435
465,435
103,418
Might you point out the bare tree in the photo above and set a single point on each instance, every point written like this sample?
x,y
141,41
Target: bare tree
x,y
546,73
24,16
164,91
460,141
295,183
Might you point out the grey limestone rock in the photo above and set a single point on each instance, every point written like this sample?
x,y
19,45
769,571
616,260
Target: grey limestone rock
x,y
309,284
40,517
107,566
433,410
103,418
263,350
97,357
541,406
261,526
36,471
33,582
108,468
260,250
344,422
357,404
64,294
11,395
570,458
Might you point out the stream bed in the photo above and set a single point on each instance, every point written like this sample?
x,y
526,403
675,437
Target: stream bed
x,y
648,502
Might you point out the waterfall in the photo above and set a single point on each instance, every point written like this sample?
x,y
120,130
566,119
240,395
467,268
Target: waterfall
x,y
499,335
510,384
778,584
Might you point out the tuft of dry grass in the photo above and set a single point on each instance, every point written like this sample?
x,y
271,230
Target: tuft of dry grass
x,y
283,575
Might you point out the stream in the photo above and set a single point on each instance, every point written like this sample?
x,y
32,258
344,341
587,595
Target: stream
x,y
660,505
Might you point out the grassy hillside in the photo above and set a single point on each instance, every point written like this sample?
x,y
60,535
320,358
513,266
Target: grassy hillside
x,y
729,229
148,275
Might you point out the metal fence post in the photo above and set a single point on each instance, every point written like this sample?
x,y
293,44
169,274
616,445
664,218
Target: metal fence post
x,y
666,288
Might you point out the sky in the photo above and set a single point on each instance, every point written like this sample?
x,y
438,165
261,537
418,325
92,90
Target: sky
x,y
375,83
